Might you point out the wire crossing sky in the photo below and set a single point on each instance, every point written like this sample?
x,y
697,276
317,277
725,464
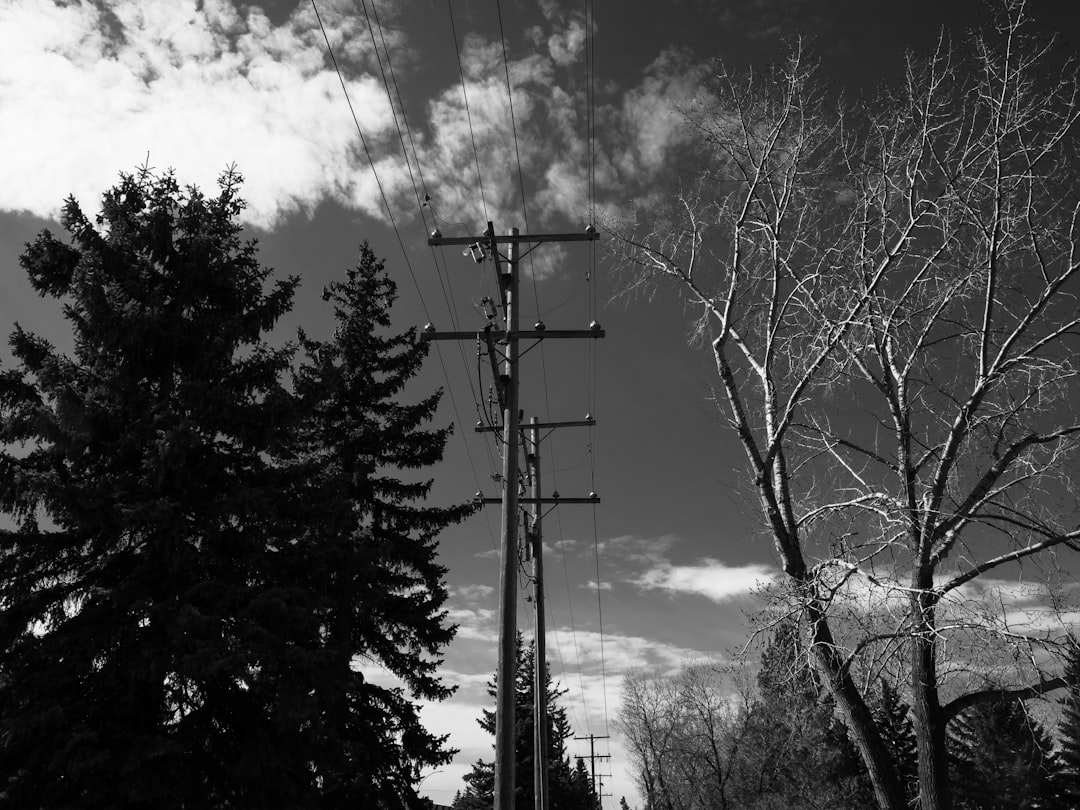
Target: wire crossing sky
x,y
449,114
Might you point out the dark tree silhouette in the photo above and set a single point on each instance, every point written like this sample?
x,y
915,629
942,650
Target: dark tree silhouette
x,y
893,719
195,547
1069,734
795,738
570,787
1002,759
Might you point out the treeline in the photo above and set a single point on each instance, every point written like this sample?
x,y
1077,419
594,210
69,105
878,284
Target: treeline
x,y
711,737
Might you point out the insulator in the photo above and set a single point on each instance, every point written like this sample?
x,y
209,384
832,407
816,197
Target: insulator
x,y
592,495
479,495
594,326
436,234
429,327
479,423
588,417
555,494
590,229
539,326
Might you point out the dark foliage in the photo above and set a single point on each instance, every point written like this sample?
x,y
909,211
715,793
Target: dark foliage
x,y
569,786
1001,759
795,752
893,719
1069,733
199,551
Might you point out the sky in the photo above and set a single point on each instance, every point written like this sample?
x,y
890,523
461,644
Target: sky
x,y
664,569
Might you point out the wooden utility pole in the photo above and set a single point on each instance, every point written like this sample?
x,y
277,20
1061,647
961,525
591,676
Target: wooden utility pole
x,y
482,248
593,756
509,286
536,538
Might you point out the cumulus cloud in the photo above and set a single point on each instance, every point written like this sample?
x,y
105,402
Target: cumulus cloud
x,y
709,578
89,89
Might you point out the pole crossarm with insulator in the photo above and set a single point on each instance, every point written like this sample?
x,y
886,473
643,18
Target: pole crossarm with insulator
x,y
505,344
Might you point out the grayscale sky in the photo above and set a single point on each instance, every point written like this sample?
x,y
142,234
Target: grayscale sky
x,y
670,558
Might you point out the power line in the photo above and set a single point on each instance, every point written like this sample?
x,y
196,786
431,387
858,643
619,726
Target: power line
x,y
468,113
517,153
371,161
397,233
451,306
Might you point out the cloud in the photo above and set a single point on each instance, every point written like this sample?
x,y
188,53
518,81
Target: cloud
x,y
472,593
591,585
616,653
709,578
475,624
86,91
641,550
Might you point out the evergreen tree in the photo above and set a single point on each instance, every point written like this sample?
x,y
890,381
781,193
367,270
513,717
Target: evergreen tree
x,y
570,788
1002,759
1069,734
795,752
178,621
368,548
893,720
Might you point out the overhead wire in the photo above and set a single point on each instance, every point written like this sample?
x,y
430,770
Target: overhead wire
x,y
447,285
468,112
397,232
371,161
590,92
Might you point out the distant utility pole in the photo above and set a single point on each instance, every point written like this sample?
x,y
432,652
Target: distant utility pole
x,y
535,539
484,247
593,756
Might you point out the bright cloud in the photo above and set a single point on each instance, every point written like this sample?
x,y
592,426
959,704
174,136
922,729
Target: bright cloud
x,y
89,89
710,578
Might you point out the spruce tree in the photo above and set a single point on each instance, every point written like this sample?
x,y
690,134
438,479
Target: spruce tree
x,y
1002,759
367,546
893,720
570,787
176,629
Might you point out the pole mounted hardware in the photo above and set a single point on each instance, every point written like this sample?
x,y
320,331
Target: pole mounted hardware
x,y
503,344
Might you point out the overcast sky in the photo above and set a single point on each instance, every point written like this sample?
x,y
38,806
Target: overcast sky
x,y
670,557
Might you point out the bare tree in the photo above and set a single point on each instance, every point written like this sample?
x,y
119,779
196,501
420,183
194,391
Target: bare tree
x,y
889,292
684,733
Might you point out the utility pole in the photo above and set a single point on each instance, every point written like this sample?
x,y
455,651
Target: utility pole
x,y
593,756
482,248
536,539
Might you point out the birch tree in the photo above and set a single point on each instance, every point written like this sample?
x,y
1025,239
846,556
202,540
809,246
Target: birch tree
x,y
889,294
